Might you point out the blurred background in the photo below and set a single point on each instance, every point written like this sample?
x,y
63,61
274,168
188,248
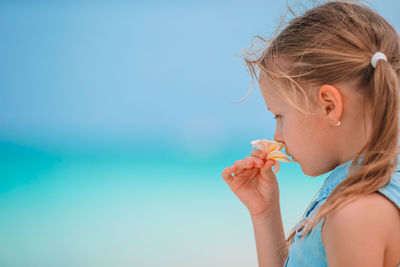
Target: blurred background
x,y
116,121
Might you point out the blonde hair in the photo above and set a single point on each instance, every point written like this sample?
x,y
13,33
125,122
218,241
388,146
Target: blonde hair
x,y
334,42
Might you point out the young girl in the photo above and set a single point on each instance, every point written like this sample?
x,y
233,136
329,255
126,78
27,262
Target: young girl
x,y
331,78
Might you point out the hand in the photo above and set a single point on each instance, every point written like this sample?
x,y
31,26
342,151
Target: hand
x,y
254,183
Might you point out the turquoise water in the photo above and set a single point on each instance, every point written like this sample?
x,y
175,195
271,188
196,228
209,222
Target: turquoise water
x,y
115,208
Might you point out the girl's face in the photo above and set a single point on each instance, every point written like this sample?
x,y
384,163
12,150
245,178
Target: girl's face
x,y
308,142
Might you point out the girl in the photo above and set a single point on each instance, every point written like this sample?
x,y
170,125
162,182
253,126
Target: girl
x,y
331,78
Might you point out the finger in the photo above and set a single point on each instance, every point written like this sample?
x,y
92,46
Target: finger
x,y
266,169
258,153
227,173
257,162
245,163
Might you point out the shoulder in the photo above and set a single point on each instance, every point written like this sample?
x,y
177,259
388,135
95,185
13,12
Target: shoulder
x,y
359,232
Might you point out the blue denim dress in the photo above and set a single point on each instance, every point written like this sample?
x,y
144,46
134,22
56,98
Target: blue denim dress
x,y
310,251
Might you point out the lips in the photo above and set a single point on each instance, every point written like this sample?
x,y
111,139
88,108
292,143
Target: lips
x,y
290,155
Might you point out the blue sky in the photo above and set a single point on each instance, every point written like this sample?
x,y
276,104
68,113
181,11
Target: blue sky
x,y
119,71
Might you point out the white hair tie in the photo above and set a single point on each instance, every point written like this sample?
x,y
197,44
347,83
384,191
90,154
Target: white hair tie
x,y
377,56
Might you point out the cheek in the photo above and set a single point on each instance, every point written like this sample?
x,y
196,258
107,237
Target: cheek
x,y
297,137
282,130
291,129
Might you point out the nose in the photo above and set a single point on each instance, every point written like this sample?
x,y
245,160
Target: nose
x,y
278,138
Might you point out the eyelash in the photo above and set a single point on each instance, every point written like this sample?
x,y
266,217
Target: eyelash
x,y
277,116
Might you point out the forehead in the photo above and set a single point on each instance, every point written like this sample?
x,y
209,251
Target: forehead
x,y
267,86
270,92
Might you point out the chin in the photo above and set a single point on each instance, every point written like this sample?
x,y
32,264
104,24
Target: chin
x,y
316,173
310,174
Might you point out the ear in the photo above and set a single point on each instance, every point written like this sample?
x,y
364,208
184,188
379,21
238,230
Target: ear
x,y
331,102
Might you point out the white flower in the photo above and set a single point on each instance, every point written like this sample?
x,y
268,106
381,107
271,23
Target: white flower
x,y
273,150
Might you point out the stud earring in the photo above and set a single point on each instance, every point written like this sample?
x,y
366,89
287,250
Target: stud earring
x,y
337,123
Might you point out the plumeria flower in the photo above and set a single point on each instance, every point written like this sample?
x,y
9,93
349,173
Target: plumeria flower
x,y
273,150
